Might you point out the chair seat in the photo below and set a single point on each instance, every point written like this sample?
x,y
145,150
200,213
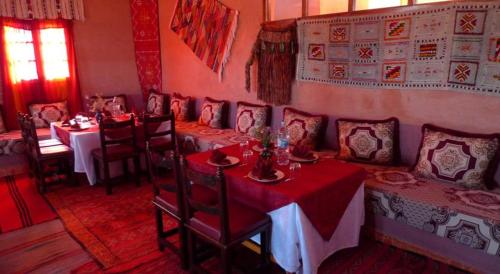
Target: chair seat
x,y
242,220
168,200
55,151
157,144
49,143
116,152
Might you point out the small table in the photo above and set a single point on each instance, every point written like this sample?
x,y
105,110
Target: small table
x,y
315,214
83,142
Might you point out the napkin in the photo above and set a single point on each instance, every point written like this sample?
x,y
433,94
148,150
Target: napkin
x,y
219,157
263,169
304,152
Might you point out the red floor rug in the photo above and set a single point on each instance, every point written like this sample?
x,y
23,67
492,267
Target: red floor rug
x,y
22,205
118,230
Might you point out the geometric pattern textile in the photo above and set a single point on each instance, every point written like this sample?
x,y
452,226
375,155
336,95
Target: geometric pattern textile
x,y
250,118
457,157
180,106
146,34
43,9
212,113
208,28
44,114
447,46
368,141
303,128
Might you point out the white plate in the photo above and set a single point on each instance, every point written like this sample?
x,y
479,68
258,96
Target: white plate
x,y
279,175
304,160
232,161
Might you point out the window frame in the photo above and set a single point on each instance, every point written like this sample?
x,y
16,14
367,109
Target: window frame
x,y
351,8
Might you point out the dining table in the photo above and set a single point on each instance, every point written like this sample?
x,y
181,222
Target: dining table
x,y
87,138
315,213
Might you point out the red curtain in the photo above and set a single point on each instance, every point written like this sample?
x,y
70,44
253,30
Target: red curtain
x,y
17,96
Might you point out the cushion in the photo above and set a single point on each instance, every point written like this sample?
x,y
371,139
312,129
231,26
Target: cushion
x,y
3,129
156,103
180,107
213,113
370,141
304,128
104,103
458,157
44,114
250,118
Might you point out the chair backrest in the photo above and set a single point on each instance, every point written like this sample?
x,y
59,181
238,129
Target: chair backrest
x,y
114,132
29,128
24,131
152,123
215,182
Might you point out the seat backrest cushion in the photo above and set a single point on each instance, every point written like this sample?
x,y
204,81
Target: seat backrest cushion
x,y
44,114
304,128
252,118
156,103
180,106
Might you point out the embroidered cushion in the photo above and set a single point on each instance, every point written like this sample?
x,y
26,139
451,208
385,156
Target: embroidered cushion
x,y
250,118
3,129
156,103
44,114
180,106
370,141
105,103
458,157
213,113
304,128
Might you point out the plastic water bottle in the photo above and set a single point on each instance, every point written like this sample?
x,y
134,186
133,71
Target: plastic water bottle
x,y
282,145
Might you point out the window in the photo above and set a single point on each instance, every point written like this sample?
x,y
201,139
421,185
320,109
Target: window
x,y
377,4
318,7
428,1
20,54
22,59
54,53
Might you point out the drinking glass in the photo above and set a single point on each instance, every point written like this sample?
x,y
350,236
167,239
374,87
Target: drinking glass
x,y
247,155
294,170
244,145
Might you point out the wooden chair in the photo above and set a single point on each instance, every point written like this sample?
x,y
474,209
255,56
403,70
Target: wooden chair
x,y
169,199
225,224
118,143
158,141
46,160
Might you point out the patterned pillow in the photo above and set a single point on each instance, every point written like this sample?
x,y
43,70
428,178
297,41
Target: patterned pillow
x,y
180,107
251,118
3,129
156,103
105,103
213,113
44,114
458,157
370,141
304,128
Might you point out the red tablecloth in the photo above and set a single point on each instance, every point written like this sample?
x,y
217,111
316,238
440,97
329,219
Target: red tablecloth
x,y
323,190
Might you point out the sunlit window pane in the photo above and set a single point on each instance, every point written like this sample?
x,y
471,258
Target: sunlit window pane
x,y
54,53
284,9
376,4
20,54
318,7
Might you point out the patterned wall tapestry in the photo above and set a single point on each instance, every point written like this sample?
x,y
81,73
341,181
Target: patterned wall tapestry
x,y
146,33
42,9
208,28
455,46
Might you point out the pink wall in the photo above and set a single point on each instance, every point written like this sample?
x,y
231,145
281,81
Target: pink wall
x,y
105,50
184,73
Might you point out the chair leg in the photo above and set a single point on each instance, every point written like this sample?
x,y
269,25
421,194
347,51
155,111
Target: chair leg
x,y
97,168
137,170
265,247
191,251
148,169
226,260
69,171
107,179
159,227
183,246
41,178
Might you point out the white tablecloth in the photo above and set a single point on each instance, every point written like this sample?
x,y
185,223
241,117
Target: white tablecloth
x,y
298,247
82,143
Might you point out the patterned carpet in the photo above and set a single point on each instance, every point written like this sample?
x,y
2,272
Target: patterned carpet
x,y
119,232
22,206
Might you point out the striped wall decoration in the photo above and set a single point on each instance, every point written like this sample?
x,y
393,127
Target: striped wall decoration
x,y
43,9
